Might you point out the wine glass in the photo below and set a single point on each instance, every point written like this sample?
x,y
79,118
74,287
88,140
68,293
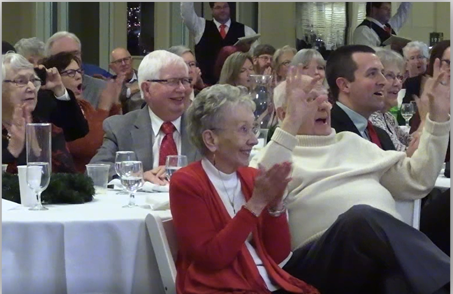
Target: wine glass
x,y
131,178
120,157
173,163
39,159
407,111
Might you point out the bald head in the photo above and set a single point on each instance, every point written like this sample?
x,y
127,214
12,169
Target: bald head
x,y
121,62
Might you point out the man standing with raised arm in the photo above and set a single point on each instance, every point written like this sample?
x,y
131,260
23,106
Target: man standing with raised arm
x,y
211,35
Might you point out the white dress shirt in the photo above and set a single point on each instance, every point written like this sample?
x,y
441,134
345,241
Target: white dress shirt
x,y
64,97
196,24
128,90
156,123
364,35
360,122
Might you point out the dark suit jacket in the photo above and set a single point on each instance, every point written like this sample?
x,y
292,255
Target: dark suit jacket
x,y
134,102
341,122
64,114
133,132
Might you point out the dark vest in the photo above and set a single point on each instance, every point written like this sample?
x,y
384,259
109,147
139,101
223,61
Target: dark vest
x,y
382,34
210,44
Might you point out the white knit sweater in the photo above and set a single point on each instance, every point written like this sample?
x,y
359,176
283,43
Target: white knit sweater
x,y
335,172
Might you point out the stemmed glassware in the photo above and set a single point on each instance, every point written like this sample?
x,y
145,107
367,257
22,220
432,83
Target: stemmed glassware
x,y
131,173
39,159
407,111
120,157
173,163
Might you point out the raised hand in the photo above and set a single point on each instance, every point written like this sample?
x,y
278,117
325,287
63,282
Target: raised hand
x,y
437,90
53,81
268,71
269,187
111,93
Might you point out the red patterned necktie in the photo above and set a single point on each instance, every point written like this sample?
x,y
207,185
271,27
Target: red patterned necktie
x,y
373,135
222,31
168,145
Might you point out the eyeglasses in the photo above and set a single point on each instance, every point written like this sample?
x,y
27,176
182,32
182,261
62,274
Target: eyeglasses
x,y
246,130
174,82
447,62
419,57
120,61
391,76
71,72
285,63
24,82
265,58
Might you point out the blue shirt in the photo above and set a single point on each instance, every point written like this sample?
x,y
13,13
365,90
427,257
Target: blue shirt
x,y
359,121
91,69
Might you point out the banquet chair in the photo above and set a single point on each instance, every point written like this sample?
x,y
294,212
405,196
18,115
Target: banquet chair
x,y
163,239
410,211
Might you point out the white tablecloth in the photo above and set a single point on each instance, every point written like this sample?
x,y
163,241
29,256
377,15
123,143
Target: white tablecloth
x,y
96,247
443,182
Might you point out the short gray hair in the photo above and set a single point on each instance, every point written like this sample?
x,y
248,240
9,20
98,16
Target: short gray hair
x,y
232,68
57,36
207,111
153,63
389,57
179,50
305,56
15,62
422,47
30,47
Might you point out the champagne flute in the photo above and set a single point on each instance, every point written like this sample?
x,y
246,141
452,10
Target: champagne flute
x,y
407,111
39,159
173,163
120,157
132,179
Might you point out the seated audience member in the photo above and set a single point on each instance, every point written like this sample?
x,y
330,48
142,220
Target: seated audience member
x,y
68,42
393,71
281,60
356,83
20,87
194,70
415,86
83,149
235,237
313,63
236,70
344,226
224,53
32,49
416,55
262,59
121,64
158,130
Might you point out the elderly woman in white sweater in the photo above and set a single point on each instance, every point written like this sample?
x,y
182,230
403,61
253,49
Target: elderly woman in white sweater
x,y
341,200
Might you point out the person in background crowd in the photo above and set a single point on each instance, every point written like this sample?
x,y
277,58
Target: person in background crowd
x,y
236,70
416,55
281,60
31,48
262,59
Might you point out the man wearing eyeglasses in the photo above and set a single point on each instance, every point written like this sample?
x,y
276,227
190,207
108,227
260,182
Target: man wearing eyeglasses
x,y
121,64
211,36
378,25
158,129
262,59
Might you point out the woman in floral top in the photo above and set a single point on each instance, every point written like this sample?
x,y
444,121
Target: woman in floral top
x,y
394,66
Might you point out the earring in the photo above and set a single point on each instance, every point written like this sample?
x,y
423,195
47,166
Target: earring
x,y
213,159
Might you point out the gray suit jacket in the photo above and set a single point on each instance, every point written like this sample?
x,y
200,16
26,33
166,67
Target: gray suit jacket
x,y
133,132
92,89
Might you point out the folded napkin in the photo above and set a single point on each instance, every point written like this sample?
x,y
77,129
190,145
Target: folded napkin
x,y
147,187
159,201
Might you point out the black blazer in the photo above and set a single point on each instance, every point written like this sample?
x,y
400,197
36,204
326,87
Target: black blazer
x,y
64,114
341,122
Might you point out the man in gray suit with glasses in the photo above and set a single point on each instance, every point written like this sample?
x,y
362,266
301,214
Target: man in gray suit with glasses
x,y
158,129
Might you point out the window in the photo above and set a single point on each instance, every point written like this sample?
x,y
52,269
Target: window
x,y
361,13
321,25
140,28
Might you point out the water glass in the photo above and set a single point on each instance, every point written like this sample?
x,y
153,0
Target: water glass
x,y
407,111
173,163
38,138
132,179
120,157
99,173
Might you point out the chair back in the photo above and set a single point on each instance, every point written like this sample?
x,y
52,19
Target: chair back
x,y
410,211
163,239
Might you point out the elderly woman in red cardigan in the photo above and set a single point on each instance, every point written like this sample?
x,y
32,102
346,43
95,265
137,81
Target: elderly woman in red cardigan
x,y
230,221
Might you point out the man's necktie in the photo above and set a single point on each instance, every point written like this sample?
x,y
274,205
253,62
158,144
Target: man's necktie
x,y
222,31
168,145
388,29
373,135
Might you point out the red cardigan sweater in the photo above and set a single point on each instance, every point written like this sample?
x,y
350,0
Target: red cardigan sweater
x,y
212,255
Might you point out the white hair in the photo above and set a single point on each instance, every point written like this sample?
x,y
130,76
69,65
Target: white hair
x,y
179,50
152,64
15,62
30,47
57,36
389,57
305,56
422,47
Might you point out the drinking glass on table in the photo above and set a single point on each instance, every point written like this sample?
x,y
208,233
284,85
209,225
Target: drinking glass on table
x,y
407,111
131,178
173,163
120,157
